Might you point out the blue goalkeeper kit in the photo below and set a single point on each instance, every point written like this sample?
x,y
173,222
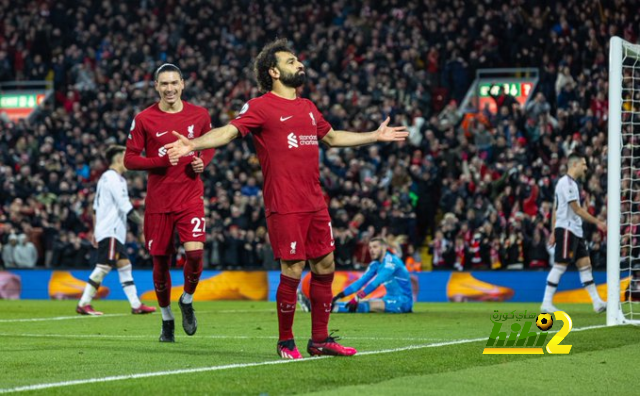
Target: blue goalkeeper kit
x,y
391,272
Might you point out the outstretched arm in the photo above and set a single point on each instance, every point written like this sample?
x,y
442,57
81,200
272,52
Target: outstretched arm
x,y
384,133
214,138
384,274
357,285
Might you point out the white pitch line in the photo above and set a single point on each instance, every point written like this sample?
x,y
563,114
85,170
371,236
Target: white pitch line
x,y
137,337
122,314
242,365
59,318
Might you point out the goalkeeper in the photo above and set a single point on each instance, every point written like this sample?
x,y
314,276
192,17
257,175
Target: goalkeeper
x,y
386,268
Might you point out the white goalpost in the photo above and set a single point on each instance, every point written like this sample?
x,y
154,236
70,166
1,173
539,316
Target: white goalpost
x,y
623,190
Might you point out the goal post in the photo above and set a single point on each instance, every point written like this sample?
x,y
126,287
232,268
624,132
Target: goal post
x,y
623,179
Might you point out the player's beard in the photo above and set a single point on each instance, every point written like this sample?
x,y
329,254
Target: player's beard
x,y
293,80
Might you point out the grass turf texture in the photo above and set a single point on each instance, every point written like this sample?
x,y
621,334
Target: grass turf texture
x,y
244,333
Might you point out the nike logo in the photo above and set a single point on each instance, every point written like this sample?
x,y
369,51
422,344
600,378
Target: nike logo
x,y
197,235
158,134
333,243
283,119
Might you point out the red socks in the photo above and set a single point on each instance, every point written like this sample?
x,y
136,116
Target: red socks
x,y
286,304
320,296
162,280
192,270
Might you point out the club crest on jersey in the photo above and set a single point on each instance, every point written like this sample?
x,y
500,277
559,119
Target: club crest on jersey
x,y
313,119
190,130
293,247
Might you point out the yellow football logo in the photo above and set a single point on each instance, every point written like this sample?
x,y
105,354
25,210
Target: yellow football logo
x,y
544,321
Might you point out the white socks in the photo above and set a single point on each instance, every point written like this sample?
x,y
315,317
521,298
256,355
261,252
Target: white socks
x,y
166,313
93,284
586,277
186,298
552,282
129,288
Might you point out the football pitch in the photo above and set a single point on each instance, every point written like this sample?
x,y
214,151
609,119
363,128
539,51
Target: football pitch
x,y
45,348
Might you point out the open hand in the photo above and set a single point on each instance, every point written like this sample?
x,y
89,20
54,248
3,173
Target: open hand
x,y
391,134
179,148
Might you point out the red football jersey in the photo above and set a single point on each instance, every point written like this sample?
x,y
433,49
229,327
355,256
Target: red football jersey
x,y
286,134
169,188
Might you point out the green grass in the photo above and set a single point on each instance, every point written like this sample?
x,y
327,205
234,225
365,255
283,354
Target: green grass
x,y
241,333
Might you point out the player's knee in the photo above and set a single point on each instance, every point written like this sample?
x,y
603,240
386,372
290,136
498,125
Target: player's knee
x,y
120,264
562,267
292,269
101,271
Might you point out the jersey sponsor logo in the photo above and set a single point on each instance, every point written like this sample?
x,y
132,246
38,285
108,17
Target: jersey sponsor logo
x,y
283,119
313,119
162,152
293,247
292,140
302,140
158,134
190,130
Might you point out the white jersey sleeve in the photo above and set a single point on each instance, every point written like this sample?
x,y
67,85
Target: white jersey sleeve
x,y
570,191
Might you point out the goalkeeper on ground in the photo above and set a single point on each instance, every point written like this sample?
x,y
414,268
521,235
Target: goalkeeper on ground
x,y
386,268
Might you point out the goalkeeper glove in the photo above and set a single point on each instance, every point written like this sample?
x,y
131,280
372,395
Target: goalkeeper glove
x,y
336,298
353,304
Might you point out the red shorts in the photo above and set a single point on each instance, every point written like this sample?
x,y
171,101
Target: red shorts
x,y
301,236
159,228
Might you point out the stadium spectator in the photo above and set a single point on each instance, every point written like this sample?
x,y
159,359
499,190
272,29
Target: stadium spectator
x,y
24,253
9,252
101,58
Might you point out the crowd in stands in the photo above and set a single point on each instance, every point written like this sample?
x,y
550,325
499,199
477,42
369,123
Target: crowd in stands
x,y
477,195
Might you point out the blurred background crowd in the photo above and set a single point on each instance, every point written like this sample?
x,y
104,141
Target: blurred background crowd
x,y
456,195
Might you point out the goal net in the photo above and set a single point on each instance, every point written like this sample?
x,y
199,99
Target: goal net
x,y
623,207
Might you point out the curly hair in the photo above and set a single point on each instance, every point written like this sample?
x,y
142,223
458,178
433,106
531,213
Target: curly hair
x,y
265,60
